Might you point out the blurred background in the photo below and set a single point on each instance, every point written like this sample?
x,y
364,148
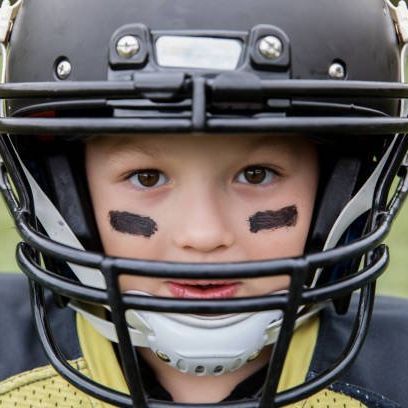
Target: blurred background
x,y
393,282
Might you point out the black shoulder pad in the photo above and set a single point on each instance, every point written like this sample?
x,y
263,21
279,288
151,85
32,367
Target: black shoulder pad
x,y
382,364
20,348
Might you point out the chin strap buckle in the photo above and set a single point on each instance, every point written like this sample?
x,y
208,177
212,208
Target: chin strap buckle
x,y
8,13
399,14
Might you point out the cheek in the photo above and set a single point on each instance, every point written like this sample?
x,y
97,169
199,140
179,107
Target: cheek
x,y
141,240
273,219
280,243
280,230
133,224
129,234
273,244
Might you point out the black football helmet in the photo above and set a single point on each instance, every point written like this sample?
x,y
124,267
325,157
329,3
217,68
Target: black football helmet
x,y
334,71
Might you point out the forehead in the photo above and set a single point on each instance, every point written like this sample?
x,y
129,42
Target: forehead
x,y
157,144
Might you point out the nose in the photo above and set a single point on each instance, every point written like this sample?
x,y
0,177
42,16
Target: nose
x,y
203,224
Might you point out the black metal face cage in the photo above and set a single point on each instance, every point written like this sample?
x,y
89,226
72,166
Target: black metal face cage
x,y
200,91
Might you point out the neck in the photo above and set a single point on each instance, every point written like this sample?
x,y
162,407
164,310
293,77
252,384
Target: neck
x,y
188,388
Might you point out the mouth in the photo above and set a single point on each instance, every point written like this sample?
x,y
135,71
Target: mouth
x,y
201,289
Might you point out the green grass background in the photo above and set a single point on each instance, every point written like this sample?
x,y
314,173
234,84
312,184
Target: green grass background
x,y
393,282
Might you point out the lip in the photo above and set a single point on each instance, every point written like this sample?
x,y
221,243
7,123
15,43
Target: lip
x,y
203,289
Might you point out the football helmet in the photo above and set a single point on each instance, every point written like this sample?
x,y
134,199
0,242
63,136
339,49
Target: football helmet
x,y
334,71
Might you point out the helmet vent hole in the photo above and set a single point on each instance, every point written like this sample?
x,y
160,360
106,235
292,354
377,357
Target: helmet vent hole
x,y
199,369
219,369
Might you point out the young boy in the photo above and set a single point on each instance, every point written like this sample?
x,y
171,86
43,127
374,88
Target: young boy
x,y
200,188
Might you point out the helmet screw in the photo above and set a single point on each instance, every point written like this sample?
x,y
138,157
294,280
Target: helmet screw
x,y
127,46
270,47
63,69
253,356
163,356
337,71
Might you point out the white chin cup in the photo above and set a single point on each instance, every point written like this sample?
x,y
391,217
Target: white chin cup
x,y
204,345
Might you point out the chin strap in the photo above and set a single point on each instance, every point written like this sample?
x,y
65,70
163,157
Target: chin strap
x,y
195,344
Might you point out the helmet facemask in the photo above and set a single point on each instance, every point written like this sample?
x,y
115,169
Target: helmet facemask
x,y
353,214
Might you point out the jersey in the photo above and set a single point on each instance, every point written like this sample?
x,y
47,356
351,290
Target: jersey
x,y
27,378
44,388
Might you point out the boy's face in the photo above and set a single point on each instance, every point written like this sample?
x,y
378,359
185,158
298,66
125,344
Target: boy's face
x,y
213,198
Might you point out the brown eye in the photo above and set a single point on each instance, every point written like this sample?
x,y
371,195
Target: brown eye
x,y
148,179
255,175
